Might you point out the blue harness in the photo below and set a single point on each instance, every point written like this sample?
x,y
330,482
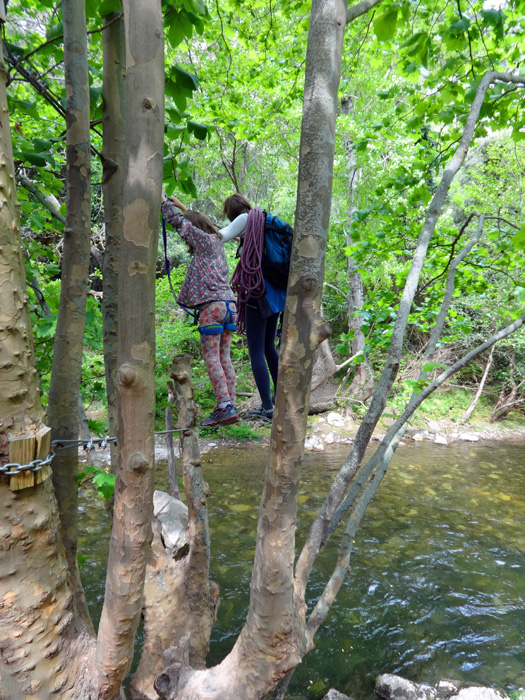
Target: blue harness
x,y
228,322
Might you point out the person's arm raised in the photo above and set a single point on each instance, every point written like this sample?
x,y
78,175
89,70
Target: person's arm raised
x,y
235,229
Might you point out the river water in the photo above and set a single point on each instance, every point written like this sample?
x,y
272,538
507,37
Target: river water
x,y
437,585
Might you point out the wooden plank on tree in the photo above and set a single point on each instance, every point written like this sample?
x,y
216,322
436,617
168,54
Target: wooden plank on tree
x,y
43,447
43,442
22,451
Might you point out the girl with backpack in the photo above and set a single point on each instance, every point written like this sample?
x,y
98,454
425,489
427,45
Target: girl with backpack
x,y
207,290
259,300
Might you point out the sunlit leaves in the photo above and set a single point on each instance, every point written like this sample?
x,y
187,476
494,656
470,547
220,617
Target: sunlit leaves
x,y
385,25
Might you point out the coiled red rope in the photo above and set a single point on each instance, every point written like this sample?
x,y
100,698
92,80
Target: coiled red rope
x,y
247,280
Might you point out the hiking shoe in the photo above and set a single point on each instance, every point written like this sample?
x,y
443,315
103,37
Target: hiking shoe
x,y
221,416
264,414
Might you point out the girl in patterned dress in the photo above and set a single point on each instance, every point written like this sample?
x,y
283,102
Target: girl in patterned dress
x,y
206,289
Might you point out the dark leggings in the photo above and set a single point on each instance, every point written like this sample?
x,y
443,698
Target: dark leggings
x,y
260,334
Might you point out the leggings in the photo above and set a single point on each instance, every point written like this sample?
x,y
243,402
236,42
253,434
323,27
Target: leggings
x,y
260,334
216,353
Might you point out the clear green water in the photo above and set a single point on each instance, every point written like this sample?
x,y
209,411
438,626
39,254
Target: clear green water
x,y
438,580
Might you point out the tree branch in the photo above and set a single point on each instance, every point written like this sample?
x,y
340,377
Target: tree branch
x,y
360,9
382,457
41,198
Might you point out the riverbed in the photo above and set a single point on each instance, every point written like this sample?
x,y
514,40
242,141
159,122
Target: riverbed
x,y
438,571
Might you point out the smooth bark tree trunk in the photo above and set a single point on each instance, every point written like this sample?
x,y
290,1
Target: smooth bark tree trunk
x,y
66,371
113,157
133,509
362,385
272,640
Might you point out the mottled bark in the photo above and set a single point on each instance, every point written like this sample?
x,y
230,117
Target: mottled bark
x,y
66,372
271,641
20,408
181,601
113,156
132,515
41,650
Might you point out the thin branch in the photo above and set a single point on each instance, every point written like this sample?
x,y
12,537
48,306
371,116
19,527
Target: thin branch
x,y
40,197
360,9
382,457
456,239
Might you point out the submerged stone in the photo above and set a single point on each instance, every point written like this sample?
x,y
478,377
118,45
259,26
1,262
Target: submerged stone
x,y
392,687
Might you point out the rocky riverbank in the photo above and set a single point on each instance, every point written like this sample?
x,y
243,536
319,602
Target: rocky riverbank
x,y
334,427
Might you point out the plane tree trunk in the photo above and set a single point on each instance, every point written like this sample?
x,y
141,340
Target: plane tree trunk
x,y
113,157
42,642
66,373
272,640
133,509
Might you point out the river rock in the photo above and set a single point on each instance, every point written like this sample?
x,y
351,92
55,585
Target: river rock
x,y
391,687
173,517
478,693
433,426
468,437
421,435
335,419
330,439
446,689
440,439
336,695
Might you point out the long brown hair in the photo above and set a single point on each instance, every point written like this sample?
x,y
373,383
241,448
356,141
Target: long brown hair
x,y
234,205
202,222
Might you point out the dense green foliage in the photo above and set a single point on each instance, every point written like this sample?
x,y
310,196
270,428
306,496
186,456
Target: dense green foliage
x,y
234,73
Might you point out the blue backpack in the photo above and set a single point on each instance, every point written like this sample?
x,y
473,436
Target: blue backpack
x,y
277,251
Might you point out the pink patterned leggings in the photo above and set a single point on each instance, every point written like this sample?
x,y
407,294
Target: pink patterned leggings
x,y
216,351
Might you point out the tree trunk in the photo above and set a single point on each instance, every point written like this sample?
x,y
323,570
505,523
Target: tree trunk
x,y
66,372
362,385
181,602
132,515
272,640
41,644
113,155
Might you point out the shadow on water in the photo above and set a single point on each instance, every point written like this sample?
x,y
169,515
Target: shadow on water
x,y
438,573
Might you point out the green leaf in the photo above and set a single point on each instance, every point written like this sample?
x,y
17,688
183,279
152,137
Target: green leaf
x,y
494,18
200,130
178,28
109,7
457,28
197,6
429,366
518,240
105,484
42,145
385,25
33,158
184,78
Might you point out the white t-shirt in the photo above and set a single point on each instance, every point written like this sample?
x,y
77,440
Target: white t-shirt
x,y
235,228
